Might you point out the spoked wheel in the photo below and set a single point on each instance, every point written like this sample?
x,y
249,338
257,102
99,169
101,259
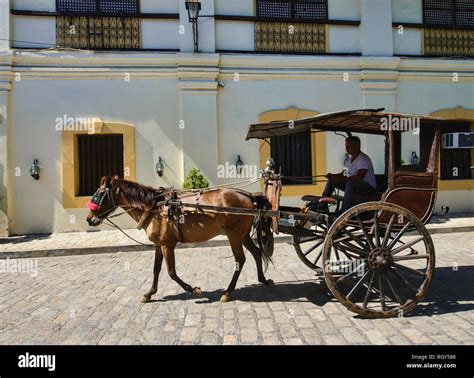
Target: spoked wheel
x,y
378,260
310,248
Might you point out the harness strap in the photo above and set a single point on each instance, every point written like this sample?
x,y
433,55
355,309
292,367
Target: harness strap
x,y
144,220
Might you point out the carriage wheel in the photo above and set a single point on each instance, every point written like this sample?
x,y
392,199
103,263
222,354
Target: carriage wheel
x,y
310,248
378,260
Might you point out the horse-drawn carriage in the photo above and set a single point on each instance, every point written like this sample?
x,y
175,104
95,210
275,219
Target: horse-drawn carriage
x,y
377,258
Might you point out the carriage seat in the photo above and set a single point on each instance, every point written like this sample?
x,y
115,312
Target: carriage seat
x,y
309,198
315,199
328,200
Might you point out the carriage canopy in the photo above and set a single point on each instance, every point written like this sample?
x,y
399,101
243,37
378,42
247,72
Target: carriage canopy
x,y
367,121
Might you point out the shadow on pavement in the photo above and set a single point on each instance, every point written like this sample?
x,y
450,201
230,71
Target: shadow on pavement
x,y
449,289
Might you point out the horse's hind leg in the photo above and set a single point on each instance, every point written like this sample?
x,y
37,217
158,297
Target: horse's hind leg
x,y
257,255
168,253
239,257
156,272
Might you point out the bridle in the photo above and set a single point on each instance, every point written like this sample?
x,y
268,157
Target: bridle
x,y
98,198
95,204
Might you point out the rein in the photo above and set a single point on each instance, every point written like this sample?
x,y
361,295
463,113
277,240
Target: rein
x,y
112,224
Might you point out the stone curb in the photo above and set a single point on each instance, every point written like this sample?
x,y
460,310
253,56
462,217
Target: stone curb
x,y
139,248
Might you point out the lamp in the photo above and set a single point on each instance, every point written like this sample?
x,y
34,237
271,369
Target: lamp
x,y
414,159
193,7
160,167
35,170
239,164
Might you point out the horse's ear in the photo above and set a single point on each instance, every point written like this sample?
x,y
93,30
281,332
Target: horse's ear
x,y
115,180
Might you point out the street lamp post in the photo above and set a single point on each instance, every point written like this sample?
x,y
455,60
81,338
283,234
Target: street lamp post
x,y
193,7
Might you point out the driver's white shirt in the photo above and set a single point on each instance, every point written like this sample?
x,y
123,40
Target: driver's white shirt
x,y
362,161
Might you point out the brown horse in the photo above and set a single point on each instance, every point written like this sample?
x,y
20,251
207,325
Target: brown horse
x,y
198,226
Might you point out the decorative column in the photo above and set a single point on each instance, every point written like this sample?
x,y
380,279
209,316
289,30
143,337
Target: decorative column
x,y
198,113
376,28
378,89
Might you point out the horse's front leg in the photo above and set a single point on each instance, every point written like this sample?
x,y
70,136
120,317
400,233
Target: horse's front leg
x,y
156,272
168,253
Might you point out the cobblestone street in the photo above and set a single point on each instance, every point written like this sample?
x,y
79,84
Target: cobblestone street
x,y
95,299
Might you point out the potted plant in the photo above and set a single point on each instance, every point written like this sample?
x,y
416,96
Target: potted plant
x,y
195,180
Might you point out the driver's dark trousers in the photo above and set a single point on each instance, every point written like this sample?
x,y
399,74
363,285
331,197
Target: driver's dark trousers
x,y
350,188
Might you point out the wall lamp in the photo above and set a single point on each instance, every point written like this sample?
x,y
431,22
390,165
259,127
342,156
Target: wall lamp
x,y
160,167
239,164
193,7
35,170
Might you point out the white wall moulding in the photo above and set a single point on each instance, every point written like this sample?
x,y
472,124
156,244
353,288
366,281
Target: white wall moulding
x,y
62,59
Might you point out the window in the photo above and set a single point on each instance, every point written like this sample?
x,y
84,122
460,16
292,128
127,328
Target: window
x,y
99,155
98,7
292,154
290,27
456,163
98,24
294,10
449,13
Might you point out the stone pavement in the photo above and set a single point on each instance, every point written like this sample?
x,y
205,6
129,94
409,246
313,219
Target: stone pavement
x,y
94,299
108,241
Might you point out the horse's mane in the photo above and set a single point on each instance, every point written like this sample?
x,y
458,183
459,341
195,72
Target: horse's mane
x,y
141,195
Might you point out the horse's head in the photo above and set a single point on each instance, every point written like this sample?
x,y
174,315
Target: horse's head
x,y
104,201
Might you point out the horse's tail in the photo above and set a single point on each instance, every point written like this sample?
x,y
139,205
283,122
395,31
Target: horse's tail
x,y
254,249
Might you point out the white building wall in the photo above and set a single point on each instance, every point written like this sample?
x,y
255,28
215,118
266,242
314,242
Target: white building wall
x,y
344,10
235,35
160,34
34,5
407,41
163,87
410,11
162,6
151,105
344,39
235,8
33,32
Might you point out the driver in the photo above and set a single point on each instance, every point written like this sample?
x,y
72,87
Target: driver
x,y
357,178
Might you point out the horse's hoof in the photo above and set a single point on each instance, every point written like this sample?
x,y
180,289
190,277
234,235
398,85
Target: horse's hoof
x,y
271,284
145,299
225,298
197,292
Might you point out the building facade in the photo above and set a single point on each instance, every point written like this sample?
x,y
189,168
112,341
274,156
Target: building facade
x,y
92,86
